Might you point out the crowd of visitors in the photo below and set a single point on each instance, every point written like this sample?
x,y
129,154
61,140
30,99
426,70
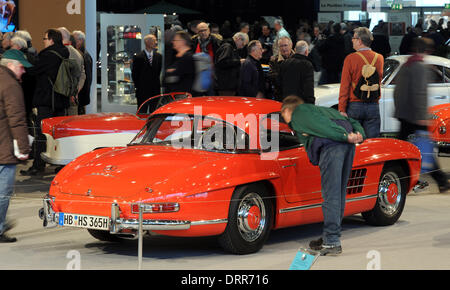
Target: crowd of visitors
x,y
327,46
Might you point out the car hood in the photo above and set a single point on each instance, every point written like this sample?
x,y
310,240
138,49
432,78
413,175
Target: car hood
x,y
133,171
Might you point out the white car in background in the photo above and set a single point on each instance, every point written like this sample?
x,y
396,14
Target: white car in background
x,y
438,89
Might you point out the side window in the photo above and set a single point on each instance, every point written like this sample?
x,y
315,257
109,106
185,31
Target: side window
x,y
446,75
220,135
436,74
276,135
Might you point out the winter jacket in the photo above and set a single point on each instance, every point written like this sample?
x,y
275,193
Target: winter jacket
x,y
211,47
46,70
13,125
251,78
227,65
310,121
297,78
332,51
410,94
84,96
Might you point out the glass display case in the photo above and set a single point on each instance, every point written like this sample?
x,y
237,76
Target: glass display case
x,y
121,38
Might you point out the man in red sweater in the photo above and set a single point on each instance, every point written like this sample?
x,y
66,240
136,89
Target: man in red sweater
x,y
365,110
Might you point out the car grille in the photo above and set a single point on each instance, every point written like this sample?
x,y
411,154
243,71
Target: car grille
x,y
356,181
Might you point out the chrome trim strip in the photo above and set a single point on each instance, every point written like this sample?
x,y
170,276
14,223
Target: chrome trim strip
x,y
161,225
311,206
359,198
209,222
303,207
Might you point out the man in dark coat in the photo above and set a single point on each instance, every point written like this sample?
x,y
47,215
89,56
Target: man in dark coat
x,y
297,74
407,40
252,74
380,41
208,43
146,72
332,51
48,103
228,65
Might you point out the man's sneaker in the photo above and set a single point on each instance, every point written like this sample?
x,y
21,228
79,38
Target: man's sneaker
x,y
330,250
6,239
32,171
9,224
316,245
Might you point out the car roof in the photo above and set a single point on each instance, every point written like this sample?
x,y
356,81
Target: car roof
x,y
431,59
221,106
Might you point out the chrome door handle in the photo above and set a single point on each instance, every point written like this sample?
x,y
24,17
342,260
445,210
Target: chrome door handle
x,y
291,165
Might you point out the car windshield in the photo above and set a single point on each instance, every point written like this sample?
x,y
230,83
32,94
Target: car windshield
x,y
390,65
194,132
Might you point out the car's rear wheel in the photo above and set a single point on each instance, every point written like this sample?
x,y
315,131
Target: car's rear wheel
x,y
392,190
250,219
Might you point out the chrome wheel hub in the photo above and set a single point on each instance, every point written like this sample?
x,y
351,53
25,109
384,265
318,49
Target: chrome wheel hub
x,y
389,193
251,217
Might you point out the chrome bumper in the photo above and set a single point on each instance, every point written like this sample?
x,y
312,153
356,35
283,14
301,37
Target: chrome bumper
x,y
53,161
118,224
441,144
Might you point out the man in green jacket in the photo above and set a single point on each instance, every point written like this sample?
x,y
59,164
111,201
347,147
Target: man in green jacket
x,y
329,139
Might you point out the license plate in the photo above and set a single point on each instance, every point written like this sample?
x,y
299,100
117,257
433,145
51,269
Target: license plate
x,y
83,221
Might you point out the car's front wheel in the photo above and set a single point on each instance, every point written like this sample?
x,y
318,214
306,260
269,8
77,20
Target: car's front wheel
x,y
392,190
250,219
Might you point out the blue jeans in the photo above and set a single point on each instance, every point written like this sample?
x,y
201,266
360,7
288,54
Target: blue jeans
x,y
7,178
335,167
368,115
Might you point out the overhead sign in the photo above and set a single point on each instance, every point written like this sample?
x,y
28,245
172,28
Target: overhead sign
x,y
340,5
327,17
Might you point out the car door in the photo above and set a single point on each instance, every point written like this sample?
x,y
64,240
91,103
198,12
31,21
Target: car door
x,y
301,180
438,87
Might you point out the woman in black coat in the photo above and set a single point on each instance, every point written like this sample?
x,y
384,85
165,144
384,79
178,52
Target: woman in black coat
x,y
180,75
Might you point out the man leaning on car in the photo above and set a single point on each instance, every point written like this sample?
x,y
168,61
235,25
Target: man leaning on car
x,y
329,140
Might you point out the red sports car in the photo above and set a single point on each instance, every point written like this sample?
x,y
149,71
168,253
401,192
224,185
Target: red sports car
x,y
221,166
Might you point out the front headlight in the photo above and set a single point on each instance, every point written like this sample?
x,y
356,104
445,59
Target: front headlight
x,y
442,130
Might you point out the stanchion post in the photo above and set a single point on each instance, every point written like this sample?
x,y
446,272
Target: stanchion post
x,y
140,238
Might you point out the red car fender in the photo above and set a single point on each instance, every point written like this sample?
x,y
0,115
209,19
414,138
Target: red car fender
x,y
393,149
